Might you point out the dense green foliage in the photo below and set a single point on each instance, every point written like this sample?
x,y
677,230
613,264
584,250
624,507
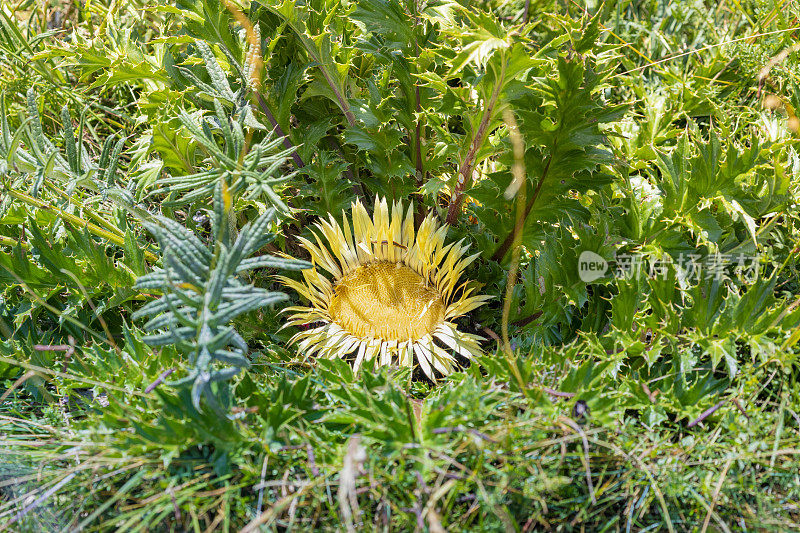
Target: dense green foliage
x,y
158,162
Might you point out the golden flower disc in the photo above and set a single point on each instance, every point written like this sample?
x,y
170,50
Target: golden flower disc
x,y
386,300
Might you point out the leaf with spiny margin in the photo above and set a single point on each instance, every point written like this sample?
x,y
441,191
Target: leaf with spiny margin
x,y
387,18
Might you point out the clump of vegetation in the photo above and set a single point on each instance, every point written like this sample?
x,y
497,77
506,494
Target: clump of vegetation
x,y
624,176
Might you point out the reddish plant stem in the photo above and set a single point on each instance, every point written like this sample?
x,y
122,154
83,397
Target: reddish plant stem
x,y
492,334
558,393
351,118
159,380
509,240
465,170
315,58
418,141
286,142
527,320
740,408
705,414
420,175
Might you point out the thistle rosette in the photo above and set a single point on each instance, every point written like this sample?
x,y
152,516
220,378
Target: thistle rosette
x,y
394,296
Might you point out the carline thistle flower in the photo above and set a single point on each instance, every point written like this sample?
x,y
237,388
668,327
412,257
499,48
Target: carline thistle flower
x,y
394,295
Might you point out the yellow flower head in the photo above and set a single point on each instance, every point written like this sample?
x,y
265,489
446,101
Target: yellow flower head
x,y
394,294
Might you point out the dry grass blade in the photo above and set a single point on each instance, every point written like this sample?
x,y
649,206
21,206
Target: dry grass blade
x,y
351,468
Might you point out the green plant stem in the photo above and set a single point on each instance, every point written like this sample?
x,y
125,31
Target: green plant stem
x,y
8,241
94,229
97,217
509,240
518,171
